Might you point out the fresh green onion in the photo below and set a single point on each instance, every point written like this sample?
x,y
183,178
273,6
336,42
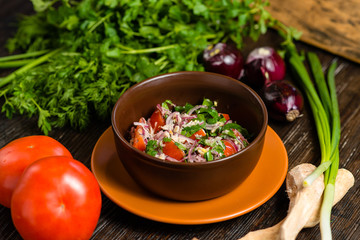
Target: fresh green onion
x,y
328,198
319,78
336,126
320,117
331,173
324,106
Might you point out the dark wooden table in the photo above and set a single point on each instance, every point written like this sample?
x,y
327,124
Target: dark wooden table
x,y
299,138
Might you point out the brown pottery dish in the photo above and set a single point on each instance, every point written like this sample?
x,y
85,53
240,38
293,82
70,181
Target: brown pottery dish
x,y
180,180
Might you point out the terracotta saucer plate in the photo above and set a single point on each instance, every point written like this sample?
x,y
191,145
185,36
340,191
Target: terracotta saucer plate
x,y
258,188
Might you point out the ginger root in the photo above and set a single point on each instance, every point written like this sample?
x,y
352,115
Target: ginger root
x,y
305,203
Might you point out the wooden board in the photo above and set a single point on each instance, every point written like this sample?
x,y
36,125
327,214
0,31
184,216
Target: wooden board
x,y
333,25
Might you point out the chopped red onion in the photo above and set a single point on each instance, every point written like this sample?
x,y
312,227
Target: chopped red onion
x,y
189,140
173,159
233,144
190,156
196,108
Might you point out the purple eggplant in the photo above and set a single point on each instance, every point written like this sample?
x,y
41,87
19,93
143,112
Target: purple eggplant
x,y
263,65
284,101
225,59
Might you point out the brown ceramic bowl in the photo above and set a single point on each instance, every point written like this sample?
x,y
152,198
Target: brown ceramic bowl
x,y
190,181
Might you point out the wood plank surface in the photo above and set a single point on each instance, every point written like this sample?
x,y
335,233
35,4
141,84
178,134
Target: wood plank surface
x,y
299,138
333,25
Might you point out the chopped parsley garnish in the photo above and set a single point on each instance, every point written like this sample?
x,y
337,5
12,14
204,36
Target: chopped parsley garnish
x,y
166,139
180,146
208,102
208,156
228,132
185,108
165,104
151,148
188,131
242,130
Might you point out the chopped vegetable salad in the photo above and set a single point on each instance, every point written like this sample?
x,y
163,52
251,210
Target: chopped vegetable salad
x,y
188,133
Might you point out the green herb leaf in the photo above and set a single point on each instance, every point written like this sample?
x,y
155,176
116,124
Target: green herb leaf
x,y
236,126
180,146
166,139
208,156
208,102
189,131
228,132
165,104
151,147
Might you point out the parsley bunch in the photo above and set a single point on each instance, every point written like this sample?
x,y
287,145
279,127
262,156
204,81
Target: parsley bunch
x,y
80,56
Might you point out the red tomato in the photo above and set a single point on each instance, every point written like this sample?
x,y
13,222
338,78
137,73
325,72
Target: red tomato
x,y
18,154
56,198
157,120
138,136
173,151
225,115
139,142
201,132
229,148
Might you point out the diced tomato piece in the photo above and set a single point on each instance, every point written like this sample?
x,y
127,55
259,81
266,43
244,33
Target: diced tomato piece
x,y
201,132
229,147
139,129
139,141
225,115
157,120
173,151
